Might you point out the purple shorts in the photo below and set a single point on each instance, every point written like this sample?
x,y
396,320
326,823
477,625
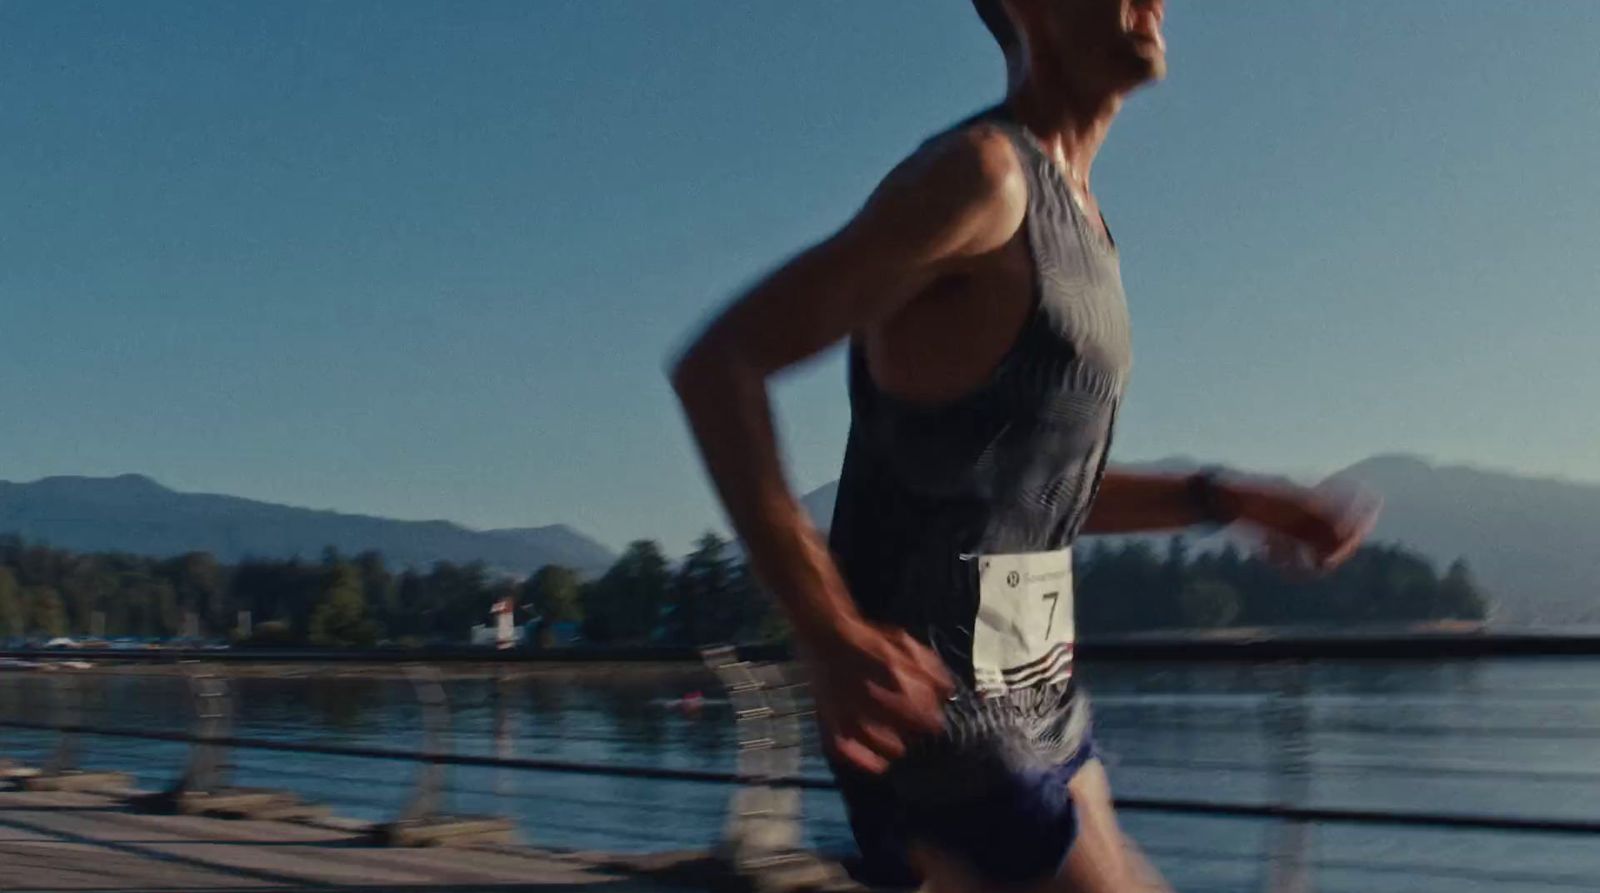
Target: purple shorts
x,y
1012,825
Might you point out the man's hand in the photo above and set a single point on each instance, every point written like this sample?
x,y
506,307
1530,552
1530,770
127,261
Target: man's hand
x,y
1317,528
876,688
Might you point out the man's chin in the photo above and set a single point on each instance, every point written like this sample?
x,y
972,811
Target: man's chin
x,y
1157,69
1146,65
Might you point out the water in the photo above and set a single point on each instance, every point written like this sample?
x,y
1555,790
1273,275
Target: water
x,y
1515,738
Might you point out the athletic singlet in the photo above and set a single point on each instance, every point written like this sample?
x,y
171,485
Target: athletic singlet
x,y
954,521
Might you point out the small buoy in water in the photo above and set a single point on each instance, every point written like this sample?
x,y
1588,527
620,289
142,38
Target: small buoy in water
x,y
693,700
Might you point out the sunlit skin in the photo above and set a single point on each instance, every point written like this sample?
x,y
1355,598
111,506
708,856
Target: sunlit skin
x,y
934,277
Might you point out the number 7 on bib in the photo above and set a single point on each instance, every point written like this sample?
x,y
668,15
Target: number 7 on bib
x,y
1024,634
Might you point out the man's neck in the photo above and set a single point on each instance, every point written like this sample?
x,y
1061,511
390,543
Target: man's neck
x,y
1070,127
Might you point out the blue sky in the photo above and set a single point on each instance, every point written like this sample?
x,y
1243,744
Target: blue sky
x,y
428,259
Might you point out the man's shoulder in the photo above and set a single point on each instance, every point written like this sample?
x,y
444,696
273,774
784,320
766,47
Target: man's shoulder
x,y
961,193
977,154
973,165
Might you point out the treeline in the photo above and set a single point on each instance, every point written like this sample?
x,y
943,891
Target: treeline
x,y
1134,587
710,596
357,600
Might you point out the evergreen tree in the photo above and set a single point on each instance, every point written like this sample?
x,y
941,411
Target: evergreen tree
x,y
378,590
1458,596
340,619
13,619
625,605
555,594
703,602
196,580
46,614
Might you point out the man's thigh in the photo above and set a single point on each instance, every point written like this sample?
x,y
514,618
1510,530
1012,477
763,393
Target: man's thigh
x,y
1103,859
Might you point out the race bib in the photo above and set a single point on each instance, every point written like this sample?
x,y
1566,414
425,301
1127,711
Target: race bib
x,y
1024,632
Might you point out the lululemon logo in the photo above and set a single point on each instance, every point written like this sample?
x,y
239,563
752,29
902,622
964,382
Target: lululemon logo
x,y
1013,578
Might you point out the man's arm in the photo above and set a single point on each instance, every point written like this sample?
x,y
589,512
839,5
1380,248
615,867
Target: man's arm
x,y
1133,502
1331,528
957,199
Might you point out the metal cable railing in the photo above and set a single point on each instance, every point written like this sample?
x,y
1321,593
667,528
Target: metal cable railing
x,y
1394,817
1252,714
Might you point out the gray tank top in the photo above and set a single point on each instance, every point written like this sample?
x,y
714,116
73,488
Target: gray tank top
x,y
1012,467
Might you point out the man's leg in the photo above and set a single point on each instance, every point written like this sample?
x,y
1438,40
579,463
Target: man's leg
x,y
1102,859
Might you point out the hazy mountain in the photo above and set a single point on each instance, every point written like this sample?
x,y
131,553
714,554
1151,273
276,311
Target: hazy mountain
x,y
133,513
1533,543
566,546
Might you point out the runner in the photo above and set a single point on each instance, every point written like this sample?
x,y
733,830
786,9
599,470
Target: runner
x,y
980,293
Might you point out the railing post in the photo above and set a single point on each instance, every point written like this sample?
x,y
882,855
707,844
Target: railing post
x,y
1288,719
210,766
500,708
68,709
420,822
427,793
762,841
10,769
15,770
206,785
61,772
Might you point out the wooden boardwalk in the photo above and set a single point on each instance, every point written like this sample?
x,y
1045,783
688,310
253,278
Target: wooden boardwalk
x,y
80,841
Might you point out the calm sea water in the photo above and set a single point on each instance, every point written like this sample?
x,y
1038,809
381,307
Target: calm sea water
x,y
1503,737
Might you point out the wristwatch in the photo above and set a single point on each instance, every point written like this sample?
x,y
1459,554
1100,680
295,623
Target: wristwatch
x,y
1206,495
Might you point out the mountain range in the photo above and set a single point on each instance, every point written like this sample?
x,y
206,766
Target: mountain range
x,y
1532,543
132,513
